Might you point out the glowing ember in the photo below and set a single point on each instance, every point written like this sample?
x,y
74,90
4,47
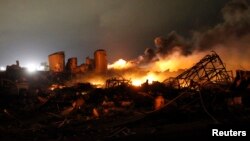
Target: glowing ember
x,y
56,86
98,82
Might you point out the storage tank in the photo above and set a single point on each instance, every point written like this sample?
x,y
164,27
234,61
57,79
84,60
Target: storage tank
x,y
83,68
90,62
71,64
57,62
100,61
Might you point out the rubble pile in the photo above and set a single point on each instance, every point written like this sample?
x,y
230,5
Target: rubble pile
x,y
49,110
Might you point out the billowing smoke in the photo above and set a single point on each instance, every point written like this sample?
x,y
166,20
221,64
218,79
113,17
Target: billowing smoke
x,y
173,42
230,39
164,47
172,54
236,26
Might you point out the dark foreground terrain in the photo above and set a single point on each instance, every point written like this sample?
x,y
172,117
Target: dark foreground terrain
x,y
82,112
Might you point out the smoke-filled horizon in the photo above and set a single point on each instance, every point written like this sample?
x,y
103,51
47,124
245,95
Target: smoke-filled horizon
x,y
174,53
229,38
30,30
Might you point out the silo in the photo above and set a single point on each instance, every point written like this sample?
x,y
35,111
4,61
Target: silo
x,y
83,68
57,62
90,63
100,61
71,64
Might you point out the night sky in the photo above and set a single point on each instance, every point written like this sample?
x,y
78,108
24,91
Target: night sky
x,y
30,30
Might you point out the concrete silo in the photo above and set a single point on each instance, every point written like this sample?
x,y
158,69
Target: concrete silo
x,y
57,62
90,63
71,64
101,63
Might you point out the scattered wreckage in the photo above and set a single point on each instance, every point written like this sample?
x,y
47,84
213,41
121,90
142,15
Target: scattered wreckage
x,y
58,112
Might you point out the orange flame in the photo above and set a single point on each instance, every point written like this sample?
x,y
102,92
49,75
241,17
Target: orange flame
x,y
120,64
150,78
155,71
138,74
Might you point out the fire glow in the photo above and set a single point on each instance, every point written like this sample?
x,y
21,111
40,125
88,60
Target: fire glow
x,y
149,78
138,75
159,70
120,64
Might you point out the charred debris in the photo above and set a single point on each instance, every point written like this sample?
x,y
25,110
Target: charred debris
x,y
42,107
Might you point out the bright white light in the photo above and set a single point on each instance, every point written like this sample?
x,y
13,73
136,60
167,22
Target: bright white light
x,y
2,68
31,67
40,68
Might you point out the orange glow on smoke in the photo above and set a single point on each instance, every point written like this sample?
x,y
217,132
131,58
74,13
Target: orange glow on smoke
x,y
176,61
137,77
163,68
164,65
159,70
120,64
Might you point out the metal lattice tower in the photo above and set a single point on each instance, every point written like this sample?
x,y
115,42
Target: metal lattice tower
x,y
208,69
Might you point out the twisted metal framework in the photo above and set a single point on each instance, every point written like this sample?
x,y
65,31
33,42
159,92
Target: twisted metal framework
x,y
208,69
117,81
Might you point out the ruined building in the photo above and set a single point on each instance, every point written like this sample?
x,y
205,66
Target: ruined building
x,y
57,62
98,64
100,61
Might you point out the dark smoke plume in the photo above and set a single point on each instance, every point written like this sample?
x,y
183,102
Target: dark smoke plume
x,y
230,38
236,26
174,53
165,46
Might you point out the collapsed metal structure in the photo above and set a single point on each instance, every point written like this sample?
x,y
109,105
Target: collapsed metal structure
x,y
209,69
117,81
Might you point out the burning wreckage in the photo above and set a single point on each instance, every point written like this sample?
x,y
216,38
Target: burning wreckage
x,y
42,106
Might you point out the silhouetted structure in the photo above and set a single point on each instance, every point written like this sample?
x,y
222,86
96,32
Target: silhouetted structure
x,y
57,62
100,61
208,69
72,64
113,82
